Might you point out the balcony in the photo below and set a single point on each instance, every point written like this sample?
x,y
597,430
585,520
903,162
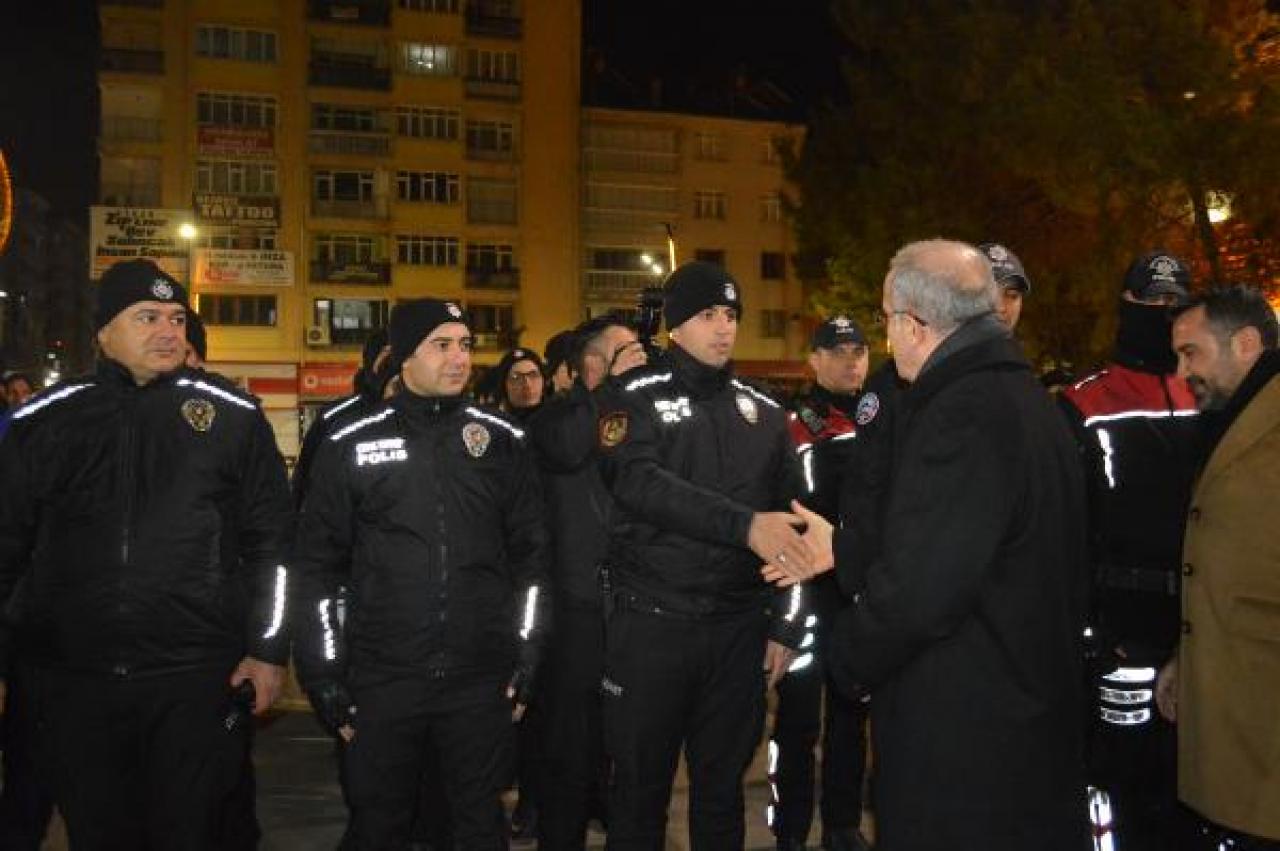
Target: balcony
x,y
614,220
488,89
609,285
480,278
130,194
128,60
343,73
128,128
491,212
495,155
332,272
488,25
352,144
375,208
646,162
362,12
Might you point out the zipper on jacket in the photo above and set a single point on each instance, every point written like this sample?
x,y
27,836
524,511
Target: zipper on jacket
x,y
127,471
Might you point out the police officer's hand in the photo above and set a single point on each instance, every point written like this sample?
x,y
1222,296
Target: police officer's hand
x,y
774,538
520,688
334,707
817,538
777,660
1167,691
267,680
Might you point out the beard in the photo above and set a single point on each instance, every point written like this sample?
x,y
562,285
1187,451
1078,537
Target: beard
x,y
1208,398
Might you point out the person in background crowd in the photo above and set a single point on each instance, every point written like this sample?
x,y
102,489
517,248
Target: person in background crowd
x,y
1223,685
823,426
521,383
1012,280
573,785
430,512
1135,426
556,354
967,629
18,388
144,525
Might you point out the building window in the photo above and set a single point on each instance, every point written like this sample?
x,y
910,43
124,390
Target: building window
x,y
237,309
351,321
491,201
219,109
773,324
491,324
773,265
441,7
237,177
432,187
242,238
428,60
489,257
710,255
708,146
426,250
346,249
709,205
351,119
492,137
772,150
499,66
427,122
771,208
343,185
236,43
130,181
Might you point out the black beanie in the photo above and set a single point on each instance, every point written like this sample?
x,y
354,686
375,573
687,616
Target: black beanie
x,y
557,350
133,281
413,321
196,336
694,287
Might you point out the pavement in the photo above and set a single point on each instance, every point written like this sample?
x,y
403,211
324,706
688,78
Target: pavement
x,y
300,806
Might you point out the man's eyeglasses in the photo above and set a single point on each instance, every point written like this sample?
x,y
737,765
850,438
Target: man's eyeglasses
x,y
882,319
523,377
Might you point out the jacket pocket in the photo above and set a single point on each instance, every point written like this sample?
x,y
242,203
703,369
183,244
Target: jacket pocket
x,y
1256,617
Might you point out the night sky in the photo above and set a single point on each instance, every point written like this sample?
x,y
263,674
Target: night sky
x,y
48,59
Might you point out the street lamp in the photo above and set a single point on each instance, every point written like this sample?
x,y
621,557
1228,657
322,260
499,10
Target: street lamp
x,y
188,232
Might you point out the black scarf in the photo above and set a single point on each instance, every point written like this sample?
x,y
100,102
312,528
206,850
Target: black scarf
x,y
1144,340
1215,424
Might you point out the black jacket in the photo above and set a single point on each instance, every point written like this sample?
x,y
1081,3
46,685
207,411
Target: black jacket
x,y
578,504
331,417
968,630
430,513
145,527
690,454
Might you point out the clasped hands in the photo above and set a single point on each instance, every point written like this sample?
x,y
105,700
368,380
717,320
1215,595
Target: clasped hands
x,y
789,555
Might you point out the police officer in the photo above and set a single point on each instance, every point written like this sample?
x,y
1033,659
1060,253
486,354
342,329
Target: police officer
x,y
521,383
370,384
702,470
1012,280
144,521
1135,425
429,510
823,428
604,350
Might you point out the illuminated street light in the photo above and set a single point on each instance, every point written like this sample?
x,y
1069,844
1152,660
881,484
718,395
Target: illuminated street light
x,y
188,231
1219,206
657,269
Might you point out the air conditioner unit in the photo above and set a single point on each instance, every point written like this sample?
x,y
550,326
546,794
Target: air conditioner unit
x,y
318,335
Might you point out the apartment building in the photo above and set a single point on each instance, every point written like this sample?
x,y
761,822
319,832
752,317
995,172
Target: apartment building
x,y
333,156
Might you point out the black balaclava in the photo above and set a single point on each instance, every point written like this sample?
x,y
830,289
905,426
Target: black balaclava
x,y
1144,340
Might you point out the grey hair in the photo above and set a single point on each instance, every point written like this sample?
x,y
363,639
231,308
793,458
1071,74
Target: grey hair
x,y
943,282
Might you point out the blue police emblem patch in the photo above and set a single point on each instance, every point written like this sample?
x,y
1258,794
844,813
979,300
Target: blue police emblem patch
x,y
868,407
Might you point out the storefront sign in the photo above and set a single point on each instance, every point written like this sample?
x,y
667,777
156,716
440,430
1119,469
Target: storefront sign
x,y
232,267
260,210
326,380
236,141
128,233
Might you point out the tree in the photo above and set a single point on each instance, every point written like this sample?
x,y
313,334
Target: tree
x,y
1078,132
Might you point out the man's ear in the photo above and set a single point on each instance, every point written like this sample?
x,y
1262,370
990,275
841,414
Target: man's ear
x,y
1246,344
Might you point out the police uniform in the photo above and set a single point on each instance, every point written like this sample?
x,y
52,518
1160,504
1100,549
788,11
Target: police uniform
x,y
429,511
1135,422
824,430
145,529
690,454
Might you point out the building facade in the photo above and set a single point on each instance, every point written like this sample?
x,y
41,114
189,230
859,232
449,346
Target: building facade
x,y
334,156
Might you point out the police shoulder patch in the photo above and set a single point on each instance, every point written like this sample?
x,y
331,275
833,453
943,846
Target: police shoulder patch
x,y
868,408
613,429
199,414
476,438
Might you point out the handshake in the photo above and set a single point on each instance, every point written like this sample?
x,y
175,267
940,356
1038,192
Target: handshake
x,y
791,555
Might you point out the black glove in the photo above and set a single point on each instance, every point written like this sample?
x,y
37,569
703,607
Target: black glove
x,y
333,705
525,673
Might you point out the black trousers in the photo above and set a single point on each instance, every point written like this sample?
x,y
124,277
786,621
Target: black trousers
x,y
1136,765
671,683
466,719
573,762
26,804
802,713
138,764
